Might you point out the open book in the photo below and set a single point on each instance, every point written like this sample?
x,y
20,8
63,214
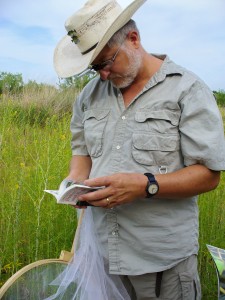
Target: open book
x,y
69,191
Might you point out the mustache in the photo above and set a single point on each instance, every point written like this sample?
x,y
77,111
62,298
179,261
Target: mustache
x,y
111,77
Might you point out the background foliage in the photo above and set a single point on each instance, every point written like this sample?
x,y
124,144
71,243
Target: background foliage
x,y
34,155
10,82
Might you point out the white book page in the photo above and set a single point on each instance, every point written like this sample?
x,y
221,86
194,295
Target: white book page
x,y
71,193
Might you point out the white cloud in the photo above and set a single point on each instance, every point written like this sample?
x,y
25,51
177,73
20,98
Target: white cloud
x,y
190,31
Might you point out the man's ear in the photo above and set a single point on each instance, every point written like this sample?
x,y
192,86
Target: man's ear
x,y
133,37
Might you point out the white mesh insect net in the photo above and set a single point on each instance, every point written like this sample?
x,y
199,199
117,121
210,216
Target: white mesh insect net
x,y
86,276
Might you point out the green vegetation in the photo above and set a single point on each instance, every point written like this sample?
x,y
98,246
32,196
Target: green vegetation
x,y
10,82
212,230
220,97
34,155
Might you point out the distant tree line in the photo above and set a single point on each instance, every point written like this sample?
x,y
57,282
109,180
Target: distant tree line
x,y
14,84
10,82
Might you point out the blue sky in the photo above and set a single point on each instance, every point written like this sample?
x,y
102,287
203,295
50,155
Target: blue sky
x,y
191,32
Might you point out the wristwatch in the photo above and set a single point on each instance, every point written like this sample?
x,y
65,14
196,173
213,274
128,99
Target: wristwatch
x,y
152,187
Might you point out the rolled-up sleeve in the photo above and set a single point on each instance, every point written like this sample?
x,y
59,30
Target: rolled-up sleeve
x,y
201,129
78,144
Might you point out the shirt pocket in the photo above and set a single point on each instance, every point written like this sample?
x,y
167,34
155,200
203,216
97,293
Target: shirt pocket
x,y
155,149
156,139
94,127
160,121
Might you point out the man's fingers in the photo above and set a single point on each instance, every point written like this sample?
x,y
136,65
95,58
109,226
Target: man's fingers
x,y
100,181
95,196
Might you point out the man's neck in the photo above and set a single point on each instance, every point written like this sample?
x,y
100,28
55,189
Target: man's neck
x,y
150,65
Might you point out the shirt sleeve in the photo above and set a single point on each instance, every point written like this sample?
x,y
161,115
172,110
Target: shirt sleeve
x,y
201,129
78,144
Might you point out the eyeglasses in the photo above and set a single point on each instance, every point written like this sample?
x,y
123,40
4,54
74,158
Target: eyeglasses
x,y
107,64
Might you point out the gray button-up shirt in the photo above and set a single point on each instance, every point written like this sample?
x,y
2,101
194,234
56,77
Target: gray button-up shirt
x,y
174,122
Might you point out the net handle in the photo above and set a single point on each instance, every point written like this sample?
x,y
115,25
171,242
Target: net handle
x,y
77,234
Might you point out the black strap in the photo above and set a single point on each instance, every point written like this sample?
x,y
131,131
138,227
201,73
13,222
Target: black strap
x,y
89,50
158,283
195,290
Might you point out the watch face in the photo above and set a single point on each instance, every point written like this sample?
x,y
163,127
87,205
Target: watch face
x,y
153,189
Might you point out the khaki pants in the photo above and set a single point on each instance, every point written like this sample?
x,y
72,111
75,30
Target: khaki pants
x,y
178,283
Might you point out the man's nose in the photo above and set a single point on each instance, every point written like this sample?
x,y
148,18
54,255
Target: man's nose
x,y
104,74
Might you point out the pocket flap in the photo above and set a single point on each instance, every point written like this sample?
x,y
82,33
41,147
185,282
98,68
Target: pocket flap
x,y
155,142
98,114
168,115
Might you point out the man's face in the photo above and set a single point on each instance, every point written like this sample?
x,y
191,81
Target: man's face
x,y
123,67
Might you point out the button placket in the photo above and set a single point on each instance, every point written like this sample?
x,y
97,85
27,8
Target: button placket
x,y
120,131
113,241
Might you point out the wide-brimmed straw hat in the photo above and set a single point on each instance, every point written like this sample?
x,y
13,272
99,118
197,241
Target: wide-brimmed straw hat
x,y
89,30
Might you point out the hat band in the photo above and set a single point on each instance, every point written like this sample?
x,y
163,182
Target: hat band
x,y
89,50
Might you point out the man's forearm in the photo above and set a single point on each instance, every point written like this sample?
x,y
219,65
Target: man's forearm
x,y
80,167
187,182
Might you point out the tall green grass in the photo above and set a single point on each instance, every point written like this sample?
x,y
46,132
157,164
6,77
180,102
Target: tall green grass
x,y
212,232
34,155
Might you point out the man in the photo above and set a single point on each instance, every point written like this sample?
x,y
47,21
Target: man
x,y
150,133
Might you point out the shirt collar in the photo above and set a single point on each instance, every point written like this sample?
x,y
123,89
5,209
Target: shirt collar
x,y
168,68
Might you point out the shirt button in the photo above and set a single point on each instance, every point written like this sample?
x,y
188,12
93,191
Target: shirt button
x,y
118,147
114,233
123,118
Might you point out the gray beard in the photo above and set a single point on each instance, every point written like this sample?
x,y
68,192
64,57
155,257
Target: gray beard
x,y
132,71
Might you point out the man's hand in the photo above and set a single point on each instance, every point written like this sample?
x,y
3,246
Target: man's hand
x,y
118,189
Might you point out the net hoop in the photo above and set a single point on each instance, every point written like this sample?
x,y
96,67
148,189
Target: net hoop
x,y
25,269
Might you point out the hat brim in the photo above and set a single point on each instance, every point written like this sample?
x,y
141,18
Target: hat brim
x,y
68,60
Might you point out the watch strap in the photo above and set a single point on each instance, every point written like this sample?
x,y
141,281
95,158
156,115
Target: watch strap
x,y
151,181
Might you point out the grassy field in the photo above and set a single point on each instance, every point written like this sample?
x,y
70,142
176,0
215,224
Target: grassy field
x,y
34,155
